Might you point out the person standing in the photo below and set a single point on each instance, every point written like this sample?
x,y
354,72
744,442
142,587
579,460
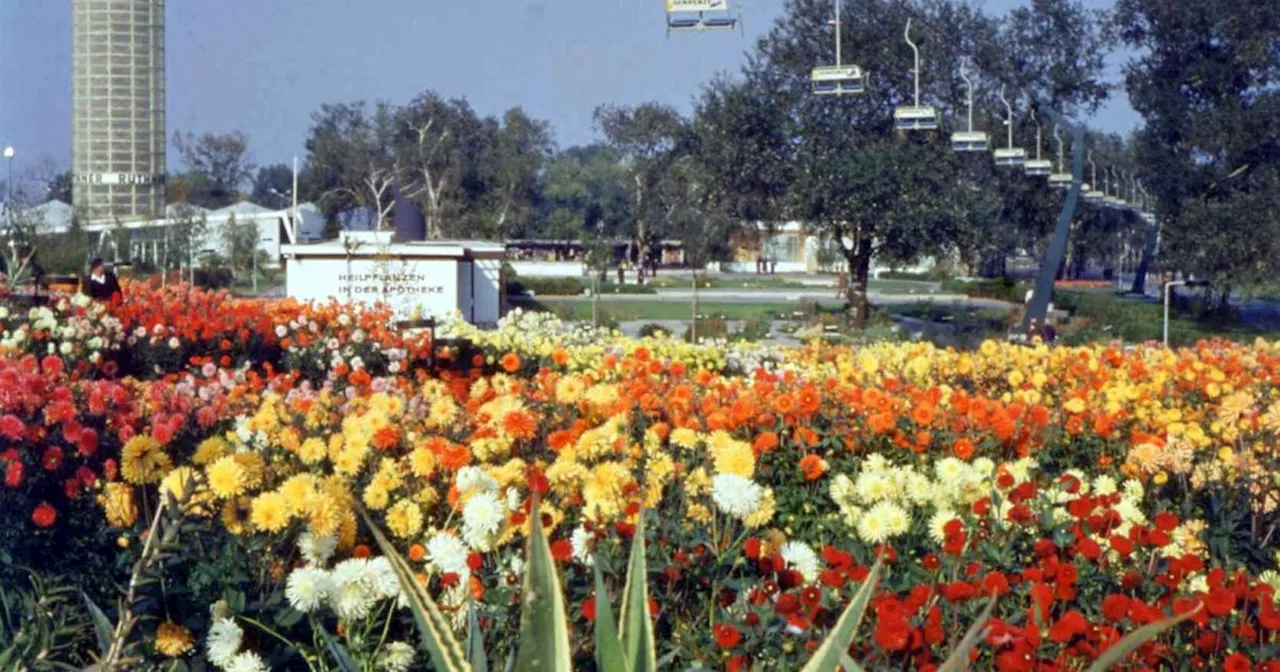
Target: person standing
x,y
102,283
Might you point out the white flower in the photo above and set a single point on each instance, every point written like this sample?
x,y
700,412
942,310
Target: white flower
x,y
316,550
1104,485
873,486
448,554
246,661
281,331
482,518
307,588
799,555
223,641
882,522
736,495
513,499
938,524
384,577
354,591
474,478
581,540
174,343
397,657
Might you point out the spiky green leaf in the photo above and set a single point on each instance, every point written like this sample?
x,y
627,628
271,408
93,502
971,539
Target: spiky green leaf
x,y
103,631
608,646
636,630
475,641
544,621
828,655
338,652
959,658
437,636
1136,639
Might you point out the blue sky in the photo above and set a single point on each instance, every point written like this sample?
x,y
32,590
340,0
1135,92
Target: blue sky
x,y
263,67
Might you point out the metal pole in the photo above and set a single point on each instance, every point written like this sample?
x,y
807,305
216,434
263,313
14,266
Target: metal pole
x,y
1168,291
837,33
1058,245
1008,122
916,51
968,87
295,200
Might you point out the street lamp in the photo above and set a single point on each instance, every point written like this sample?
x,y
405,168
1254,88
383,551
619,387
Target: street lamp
x,y
1168,292
8,155
287,197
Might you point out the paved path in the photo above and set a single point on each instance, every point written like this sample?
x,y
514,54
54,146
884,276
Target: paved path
x,y
789,296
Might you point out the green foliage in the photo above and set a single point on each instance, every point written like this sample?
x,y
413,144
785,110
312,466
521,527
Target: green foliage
x,y
43,626
652,330
544,620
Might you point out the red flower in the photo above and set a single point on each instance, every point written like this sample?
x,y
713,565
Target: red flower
x,y
1115,607
787,604
561,550
1121,545
752,547
1069,625
44,515
589,608
1236,662
52,458
1220,602
1166,521
727,636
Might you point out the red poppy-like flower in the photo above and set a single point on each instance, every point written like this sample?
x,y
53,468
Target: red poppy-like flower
x,y
1115,607
44,515
1236,662
727,636
561,549
1220,602
1069,625
589,608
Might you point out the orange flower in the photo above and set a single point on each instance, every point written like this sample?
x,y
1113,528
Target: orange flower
x,y
520,424
417,552
510,362
812,466
963,448
922,415
882,422
560,356
361,551
386,438
765,442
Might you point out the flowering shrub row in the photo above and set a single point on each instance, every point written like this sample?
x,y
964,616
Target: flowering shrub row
x,y
1089,490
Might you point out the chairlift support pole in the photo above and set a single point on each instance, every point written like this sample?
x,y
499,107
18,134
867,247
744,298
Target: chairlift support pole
x,y
1148,251
1043,292
915,50
968,88
839,63
1008,119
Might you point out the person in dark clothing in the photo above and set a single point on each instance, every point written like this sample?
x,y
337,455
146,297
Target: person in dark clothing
x,y
102,283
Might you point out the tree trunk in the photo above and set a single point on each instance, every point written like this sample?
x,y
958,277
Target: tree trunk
x,y
859,261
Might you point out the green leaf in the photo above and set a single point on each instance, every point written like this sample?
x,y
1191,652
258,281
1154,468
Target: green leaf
x,y
959,658
338,651
475,641
446,653
848,663
103,631
1136,639
828,655
608,647
635,629
544,622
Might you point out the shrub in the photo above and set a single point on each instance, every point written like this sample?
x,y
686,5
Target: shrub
x,y
652,329
708,327
214,278
544,286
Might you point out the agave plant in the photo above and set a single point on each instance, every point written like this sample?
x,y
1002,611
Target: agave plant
x,y
627,644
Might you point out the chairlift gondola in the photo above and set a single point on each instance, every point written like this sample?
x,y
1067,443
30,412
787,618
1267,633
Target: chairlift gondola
x,y
1060,179
915,117
838,79
1037,167
701,15
970,140
1009,156
1091,193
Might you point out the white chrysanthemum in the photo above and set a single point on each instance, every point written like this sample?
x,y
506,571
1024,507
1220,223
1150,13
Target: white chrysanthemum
x,y
799,555
938,524
514,500
952,473
842,490
874,486
307,588
474,478
397,657
482,518
736,495
223,641
1133,489
983,467
872,526
354,592
316,550
1104,485
1129,512
384,577
897,520
851,515
515,565
1198,584
449,555
246,661
918,488
580,540
874,462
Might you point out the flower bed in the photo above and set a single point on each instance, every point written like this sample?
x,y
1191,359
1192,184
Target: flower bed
x,y
1090,490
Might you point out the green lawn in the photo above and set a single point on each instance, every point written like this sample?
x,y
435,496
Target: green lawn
x,y
1100,315
762,282
624,311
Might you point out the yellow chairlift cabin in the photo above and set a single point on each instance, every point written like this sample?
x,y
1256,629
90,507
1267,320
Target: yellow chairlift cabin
x,y
701,15
915,117
970,140
1009,156
1037,167
1060,179
838,79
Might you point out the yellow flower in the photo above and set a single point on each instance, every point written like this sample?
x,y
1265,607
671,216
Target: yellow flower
x,y
1161,478
172,639
1075,405
270,512
762,515
736,458
289,439
182,484
376,497
404,519
684,437
422,462
118,505
209,450
233,514
142,460
312,451
298,492
226,477
698,513
323,516
253,467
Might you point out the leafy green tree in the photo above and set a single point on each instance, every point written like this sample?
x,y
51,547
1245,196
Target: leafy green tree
x,y
272,186
351,159
216,167
1203,80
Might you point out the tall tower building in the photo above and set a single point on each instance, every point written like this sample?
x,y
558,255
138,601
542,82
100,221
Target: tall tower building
x,y
118,121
